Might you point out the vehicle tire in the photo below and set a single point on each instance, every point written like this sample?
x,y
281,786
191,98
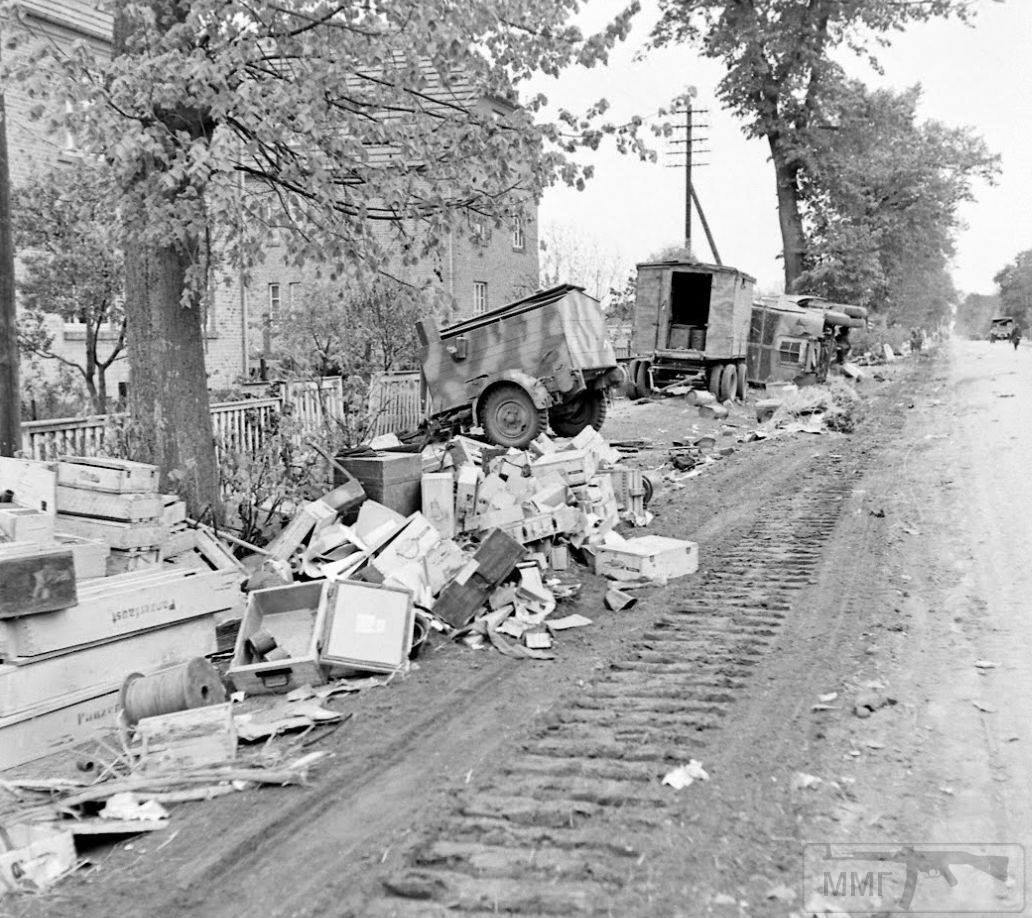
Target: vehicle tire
x,y
713,379
743,382
510,418
648,488
588,409
728,382
631,386
642,379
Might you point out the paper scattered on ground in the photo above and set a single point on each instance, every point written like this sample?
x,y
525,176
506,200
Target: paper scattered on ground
x,y
129,806
684,775
802,781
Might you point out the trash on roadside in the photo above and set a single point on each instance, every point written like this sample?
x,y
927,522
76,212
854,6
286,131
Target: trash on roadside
x,y
685,775
871,700
802,781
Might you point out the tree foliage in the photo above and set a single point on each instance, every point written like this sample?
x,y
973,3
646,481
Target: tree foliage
x,y
70,243
364,129
1015,283
974,313
572,255
780,63
880,201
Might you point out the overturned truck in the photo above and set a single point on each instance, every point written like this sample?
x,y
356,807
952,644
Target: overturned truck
x,y
514,370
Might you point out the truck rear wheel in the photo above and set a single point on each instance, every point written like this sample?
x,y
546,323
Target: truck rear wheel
x,y
713,380
631,386
728,382
743,382
586,409
643,379
510,417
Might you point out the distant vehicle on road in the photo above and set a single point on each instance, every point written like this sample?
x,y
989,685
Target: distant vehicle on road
x,y
1001,328
546,359
691,325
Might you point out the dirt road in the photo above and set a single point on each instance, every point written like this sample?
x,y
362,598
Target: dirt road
x,y
898,555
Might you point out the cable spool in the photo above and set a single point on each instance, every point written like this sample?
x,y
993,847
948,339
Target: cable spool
x,y
194,684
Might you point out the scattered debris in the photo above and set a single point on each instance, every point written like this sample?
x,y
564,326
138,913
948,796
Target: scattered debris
x,y
986,664
684,775
802,781
871,700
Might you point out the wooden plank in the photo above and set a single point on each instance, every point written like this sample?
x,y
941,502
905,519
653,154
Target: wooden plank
x,y
118,476
106,612
58,724
43,581
34,483
117,535
128,508
188,739
27,682
25,524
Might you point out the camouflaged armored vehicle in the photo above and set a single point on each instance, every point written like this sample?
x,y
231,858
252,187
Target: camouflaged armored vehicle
x,y
691,324
514,370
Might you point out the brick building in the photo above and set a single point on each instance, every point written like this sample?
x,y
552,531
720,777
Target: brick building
x,y
486,267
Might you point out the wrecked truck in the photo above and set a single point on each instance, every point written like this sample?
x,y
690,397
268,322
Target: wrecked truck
x,y
793,338
691,325
545,359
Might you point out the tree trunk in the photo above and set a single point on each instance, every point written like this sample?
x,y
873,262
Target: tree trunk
x,y
10,396
168,390
793,239
101,396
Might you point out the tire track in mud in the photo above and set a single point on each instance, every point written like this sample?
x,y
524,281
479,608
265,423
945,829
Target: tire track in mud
x,y
560,829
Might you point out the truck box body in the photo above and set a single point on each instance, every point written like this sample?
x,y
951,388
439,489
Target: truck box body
x,y
695,311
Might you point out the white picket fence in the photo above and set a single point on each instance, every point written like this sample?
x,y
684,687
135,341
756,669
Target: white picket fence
x,y
394,403
238,426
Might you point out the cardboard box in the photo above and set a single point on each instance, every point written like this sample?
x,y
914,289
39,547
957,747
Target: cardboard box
x,y
438,499
646,558
367,627
293,615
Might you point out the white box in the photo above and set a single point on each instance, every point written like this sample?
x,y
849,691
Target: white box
x,y
646,558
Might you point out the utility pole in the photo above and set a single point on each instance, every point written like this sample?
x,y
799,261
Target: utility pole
x,y
685,146
10,397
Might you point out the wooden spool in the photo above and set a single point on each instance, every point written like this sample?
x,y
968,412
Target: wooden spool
x,y
193,684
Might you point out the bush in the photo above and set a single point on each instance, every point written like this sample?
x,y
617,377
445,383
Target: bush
x,y
837,402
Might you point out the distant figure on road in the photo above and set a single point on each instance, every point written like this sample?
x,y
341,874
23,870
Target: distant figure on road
x,y
1015,336
916,340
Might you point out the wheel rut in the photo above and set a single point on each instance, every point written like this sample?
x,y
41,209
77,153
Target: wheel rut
x,y
560,827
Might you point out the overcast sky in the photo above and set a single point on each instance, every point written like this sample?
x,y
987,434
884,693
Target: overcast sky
x,y
980,76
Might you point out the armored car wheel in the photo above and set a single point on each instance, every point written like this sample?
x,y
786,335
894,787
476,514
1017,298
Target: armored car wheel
x,y
586,409
510,417
643,378
631,386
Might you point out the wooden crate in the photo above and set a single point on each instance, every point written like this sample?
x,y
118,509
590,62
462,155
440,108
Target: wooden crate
x,y
34,483
26,682
647,557
367,627
294,616
391,479
57,724
38,581
126,508
117,476
122,605
118,535
25,524
88,555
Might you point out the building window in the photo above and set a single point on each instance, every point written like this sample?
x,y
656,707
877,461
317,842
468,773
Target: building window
x,y
478,229
519,237
293,295
479,296
274,301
